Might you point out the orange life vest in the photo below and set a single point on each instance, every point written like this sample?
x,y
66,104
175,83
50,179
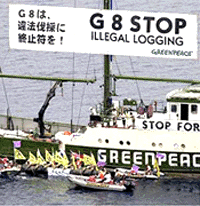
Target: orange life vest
x,y
101,175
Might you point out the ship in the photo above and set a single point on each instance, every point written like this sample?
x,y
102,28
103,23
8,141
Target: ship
x,y
127,132
130,132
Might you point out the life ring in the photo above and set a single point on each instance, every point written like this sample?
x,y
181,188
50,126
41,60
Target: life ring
x,y
67,133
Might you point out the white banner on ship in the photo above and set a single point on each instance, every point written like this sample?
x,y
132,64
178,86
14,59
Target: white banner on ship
x,y
113,32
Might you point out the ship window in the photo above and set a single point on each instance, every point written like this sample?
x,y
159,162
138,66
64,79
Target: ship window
x,y
173,108
121,142
128,143
100,140
183,146
107,141
194,109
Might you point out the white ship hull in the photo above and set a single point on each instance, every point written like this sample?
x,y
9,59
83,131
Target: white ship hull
x,y
124,147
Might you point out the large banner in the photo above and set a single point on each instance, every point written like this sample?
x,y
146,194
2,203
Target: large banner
x,y
114,32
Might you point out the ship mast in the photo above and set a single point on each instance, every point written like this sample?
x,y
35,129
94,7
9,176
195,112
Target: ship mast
x,y
107,86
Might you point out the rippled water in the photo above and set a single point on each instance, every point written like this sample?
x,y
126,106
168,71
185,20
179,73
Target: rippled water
x,y
33,191
25,98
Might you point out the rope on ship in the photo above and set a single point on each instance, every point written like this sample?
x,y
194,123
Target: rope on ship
x,y
84,88
10,124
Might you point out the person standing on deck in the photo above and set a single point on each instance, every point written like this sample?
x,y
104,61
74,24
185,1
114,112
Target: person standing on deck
x,y
148,170
133,120
123,120
107,177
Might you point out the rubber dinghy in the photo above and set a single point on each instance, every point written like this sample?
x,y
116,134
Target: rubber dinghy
x,y
140,174
9,172
35,171
86,182
65,172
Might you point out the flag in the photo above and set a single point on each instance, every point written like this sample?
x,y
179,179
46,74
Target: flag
x,y
19,155
58,158
76,155
61,160
73,162
17,144
86,159
48,156
40,159
101,164
135,168
159,155
156,166
65,161
93,161
32,159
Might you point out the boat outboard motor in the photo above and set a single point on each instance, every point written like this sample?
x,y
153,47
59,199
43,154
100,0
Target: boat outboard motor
x,y
129,184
